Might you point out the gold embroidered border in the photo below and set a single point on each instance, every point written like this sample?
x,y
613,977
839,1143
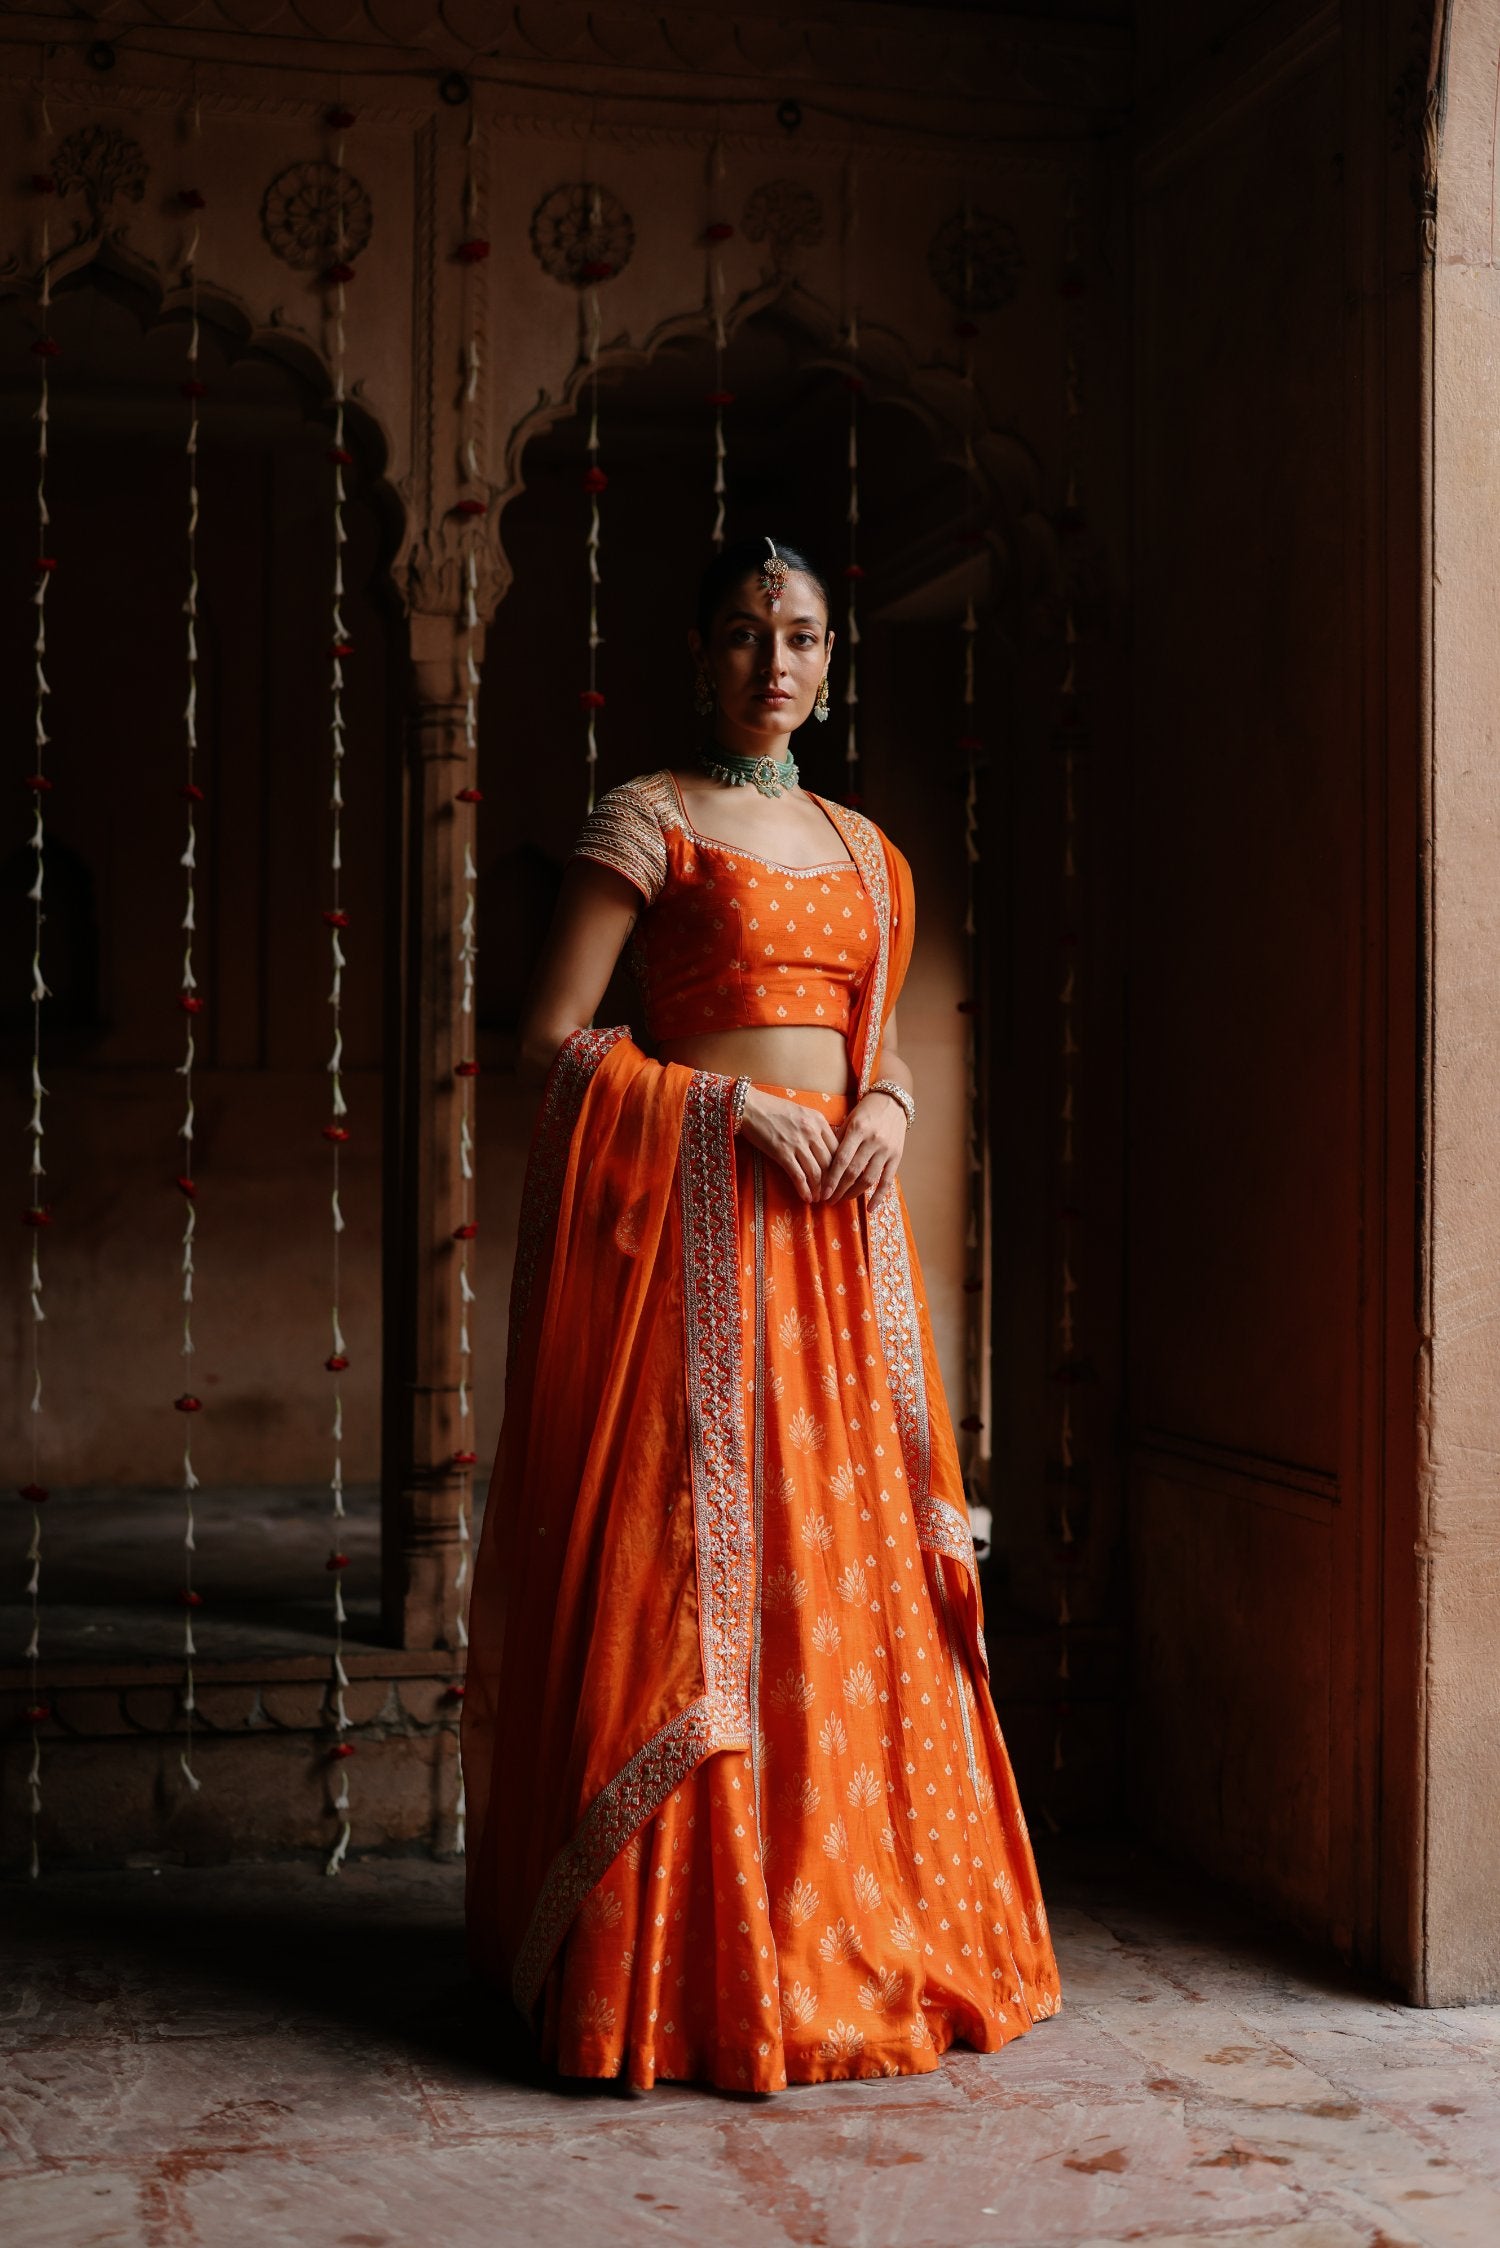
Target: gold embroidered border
x,y
618,1811
715,1388
863,839
624,832
901,1340
762,1376
941,1526
572,1070
943,1529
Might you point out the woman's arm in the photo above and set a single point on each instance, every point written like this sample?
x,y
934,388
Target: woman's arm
x,y
596,911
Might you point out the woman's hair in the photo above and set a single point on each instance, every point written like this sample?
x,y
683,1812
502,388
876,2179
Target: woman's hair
x,y
743,559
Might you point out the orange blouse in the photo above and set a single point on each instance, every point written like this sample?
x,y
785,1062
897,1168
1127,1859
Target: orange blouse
x,y
730,941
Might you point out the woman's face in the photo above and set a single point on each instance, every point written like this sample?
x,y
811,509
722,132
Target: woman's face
x,y
766,668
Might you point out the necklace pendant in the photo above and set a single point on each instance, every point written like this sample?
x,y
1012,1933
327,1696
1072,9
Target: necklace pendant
x,y
770,775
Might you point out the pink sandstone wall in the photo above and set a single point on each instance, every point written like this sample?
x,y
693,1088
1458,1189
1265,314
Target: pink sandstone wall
x,y
1454,1677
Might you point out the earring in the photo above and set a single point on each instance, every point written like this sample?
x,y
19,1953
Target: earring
x,y
703,694
820,706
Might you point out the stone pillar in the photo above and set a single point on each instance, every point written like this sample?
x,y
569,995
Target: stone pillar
x,y
446,560
422,1490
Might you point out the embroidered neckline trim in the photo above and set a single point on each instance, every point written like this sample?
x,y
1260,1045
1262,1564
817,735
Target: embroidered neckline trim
x,y
717,842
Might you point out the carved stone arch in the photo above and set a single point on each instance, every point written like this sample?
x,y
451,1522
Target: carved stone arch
x,y
1009,473
1022,537
109,261
139,284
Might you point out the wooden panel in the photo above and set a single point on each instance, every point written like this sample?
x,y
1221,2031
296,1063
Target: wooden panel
x,y
1254,1191
1231,1732
1247,856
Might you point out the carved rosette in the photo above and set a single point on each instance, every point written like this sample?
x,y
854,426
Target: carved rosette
x,y
581,234
786,216
313,213
974,258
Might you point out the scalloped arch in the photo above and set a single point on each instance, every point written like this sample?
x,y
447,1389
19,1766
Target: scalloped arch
x,y
1026,541
138,283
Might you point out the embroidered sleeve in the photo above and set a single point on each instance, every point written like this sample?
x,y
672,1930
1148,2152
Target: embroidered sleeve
x,y
622,832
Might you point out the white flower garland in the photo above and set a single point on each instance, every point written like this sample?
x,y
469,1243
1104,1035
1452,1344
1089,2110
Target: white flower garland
x,y
337,1131
38,1214
187,1403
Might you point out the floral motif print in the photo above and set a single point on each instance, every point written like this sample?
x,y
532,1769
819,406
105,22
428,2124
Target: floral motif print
x,y
884,1992
799,1903
731,939
863,1789
833,1737
781,1587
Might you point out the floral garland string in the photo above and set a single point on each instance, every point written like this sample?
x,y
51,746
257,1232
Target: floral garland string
x,y
337,278
853,573
595,482
472,509
976,1253
716,233
38,1214
193,390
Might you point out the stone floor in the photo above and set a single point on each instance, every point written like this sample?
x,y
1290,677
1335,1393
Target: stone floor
x,y
112,1563
220,2059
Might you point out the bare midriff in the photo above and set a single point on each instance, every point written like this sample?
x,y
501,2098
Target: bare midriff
x,y
800,1054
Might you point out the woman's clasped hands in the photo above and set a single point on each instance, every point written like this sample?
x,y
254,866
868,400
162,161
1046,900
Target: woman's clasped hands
x,y
823,1163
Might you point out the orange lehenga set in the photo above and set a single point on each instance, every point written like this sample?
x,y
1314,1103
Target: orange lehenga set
x,y
739,1805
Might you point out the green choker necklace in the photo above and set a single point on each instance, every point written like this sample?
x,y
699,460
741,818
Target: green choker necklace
x,y
769,774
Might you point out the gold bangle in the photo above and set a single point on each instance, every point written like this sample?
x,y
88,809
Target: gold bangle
x,y
901,1097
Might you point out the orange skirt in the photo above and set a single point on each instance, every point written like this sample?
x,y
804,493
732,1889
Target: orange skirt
x,y
857,1892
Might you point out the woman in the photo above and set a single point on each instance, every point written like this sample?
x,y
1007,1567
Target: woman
x,y
740,1808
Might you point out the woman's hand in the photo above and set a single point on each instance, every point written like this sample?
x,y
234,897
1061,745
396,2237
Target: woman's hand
x,y
869,1150
800,1139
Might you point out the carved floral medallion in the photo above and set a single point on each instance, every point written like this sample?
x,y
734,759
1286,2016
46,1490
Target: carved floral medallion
x,y
974,258
581,233
312,213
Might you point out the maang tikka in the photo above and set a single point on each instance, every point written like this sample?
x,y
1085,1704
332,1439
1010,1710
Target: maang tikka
x,y
773,576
